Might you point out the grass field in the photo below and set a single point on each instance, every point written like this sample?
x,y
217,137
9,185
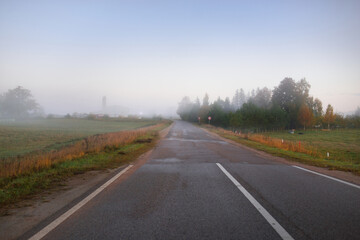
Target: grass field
x,y
342,145
30,174
310,147
24,137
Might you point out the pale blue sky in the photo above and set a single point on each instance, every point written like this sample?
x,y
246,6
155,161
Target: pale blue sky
x,y
148,54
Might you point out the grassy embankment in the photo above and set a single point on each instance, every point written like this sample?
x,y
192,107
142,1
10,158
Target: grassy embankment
x,y
311,147
40,154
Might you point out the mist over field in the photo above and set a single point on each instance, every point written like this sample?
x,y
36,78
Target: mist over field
x,y
179,119
145,56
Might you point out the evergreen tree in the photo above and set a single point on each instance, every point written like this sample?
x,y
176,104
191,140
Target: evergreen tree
x,y
206,100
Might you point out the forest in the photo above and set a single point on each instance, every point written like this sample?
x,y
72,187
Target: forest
x,y
288,106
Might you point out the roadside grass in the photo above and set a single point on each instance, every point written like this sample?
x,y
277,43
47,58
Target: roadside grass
x,y
342,144
43,159
16,188
310,148
19,138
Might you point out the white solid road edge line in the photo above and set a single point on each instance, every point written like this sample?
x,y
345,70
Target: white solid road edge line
x,y
67,214
332,178
277,227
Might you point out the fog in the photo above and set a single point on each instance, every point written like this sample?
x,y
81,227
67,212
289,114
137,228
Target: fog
x,y
145,56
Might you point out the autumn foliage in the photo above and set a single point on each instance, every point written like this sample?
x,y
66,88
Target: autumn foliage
x,y
305,116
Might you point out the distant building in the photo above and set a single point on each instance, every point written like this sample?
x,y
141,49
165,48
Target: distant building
x,y
111,111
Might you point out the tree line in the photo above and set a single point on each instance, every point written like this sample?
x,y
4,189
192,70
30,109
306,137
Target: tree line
x,y
287,106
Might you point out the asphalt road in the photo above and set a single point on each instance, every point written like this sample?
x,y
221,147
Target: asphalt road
x,y
182,193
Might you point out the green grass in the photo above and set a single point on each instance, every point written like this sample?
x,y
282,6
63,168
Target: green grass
x,y
24,137
15,189
343,146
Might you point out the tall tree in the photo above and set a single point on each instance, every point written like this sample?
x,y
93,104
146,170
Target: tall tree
x,y
220,102
329,116
19,103
317,109
305,116
218,116
239,99
227,105
290,96
197,102
302,88
184,108
284,96
206,100
235,100
261,97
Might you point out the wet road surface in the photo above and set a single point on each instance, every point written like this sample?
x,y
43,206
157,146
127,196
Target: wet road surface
x,y
182,193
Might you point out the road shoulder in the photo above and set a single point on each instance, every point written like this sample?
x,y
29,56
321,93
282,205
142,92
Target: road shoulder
x,y
345,176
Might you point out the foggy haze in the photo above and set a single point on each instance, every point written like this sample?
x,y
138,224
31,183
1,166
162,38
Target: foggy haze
x,y
146,55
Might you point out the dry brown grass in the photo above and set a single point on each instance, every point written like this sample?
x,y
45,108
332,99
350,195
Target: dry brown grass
x,y
26,164
293,146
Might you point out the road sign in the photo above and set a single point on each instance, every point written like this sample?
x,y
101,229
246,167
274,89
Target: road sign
x,y
209,118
